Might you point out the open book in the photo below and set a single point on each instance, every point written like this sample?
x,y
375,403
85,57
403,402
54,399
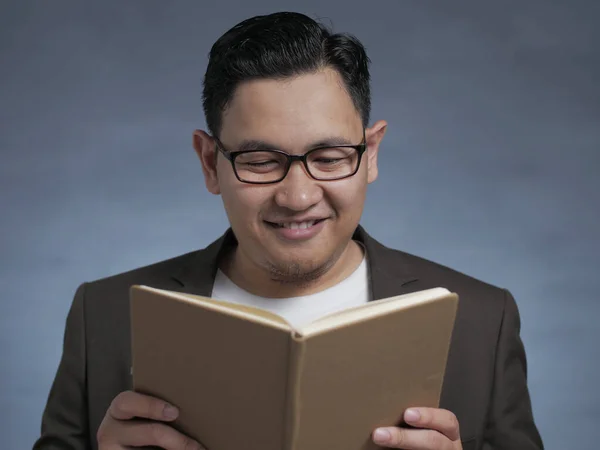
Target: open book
x,y
243,378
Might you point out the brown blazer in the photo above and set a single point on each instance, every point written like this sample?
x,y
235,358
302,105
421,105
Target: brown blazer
x,y
485,383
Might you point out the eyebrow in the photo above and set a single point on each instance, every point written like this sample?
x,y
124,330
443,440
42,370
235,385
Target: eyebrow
x,y
254,144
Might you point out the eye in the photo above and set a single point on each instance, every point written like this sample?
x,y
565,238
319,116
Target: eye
x,y
331,156
259,161
328,160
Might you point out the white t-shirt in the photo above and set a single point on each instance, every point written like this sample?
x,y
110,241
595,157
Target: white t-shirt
x,y
299,311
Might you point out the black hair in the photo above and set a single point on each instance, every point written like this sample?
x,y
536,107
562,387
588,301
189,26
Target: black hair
x,y
279,46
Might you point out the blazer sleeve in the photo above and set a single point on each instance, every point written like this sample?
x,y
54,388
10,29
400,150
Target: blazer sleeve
x,y
65,417
510,423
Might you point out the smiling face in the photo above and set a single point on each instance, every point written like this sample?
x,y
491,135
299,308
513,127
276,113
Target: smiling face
x,y
299,229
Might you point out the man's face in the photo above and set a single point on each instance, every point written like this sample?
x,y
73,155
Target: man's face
x,y
300,227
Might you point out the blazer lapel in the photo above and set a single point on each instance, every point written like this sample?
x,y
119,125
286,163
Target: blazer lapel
x,y
389,272
198,276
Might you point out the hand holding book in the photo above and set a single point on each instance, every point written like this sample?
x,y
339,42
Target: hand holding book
x,y
136,420
433,429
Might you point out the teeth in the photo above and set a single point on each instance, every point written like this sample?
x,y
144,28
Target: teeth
x,y
298,225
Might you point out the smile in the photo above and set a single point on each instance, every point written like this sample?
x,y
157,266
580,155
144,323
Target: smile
x,y
296,225
297,231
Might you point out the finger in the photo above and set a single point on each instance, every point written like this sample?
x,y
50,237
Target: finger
x,y
142,433
128,405
408,439
440,420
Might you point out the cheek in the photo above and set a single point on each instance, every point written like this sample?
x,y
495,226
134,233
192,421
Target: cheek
x,y
243,203
348,199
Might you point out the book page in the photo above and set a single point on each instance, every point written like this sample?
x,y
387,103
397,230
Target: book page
x,y
371,309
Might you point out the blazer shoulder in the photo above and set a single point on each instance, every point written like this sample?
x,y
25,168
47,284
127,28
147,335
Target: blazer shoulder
x,y
437,274
158,273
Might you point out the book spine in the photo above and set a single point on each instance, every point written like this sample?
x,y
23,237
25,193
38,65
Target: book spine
x,y
292,398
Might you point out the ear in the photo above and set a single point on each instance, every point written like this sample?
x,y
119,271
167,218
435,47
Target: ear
x,y
374,135
205,147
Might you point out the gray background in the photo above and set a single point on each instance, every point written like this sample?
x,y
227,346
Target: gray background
x,y
490,165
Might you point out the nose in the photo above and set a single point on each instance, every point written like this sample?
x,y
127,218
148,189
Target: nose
x,y
298,191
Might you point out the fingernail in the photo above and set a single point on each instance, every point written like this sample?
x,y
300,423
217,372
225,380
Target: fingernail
x,y
170,412
412,415
382,435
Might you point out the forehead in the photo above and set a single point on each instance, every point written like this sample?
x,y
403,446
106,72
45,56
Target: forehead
x,y
293,110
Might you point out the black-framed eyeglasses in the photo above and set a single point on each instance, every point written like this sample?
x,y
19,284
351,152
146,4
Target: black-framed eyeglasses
x,y
271,166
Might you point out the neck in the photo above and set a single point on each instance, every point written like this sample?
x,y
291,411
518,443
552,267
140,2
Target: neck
x,y
260,281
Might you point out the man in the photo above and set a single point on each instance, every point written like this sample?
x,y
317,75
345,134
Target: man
x,y
291,153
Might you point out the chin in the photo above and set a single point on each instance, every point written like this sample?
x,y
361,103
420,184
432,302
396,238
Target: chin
x,y
298,270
